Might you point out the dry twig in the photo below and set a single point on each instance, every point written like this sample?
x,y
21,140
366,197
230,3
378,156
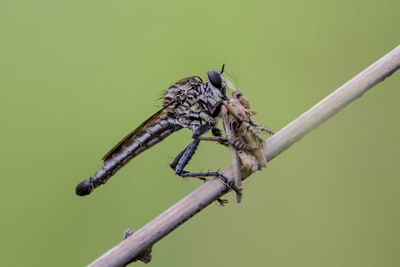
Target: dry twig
x,y
165,223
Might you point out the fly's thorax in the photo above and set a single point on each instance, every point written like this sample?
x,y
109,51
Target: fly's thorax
x,y
182,88
194,102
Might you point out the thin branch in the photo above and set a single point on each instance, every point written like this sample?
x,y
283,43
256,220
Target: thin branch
x,y
165,223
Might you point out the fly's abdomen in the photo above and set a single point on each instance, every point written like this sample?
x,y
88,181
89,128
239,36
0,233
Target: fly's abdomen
x,y
127,150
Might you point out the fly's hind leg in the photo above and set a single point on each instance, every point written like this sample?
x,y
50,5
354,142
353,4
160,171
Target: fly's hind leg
x,y
230,184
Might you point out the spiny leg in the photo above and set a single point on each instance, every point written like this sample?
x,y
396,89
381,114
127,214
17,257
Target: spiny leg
x,y
183,158
227,141
178,157
189,150
192,146
186,157
200,176
224,180
184,173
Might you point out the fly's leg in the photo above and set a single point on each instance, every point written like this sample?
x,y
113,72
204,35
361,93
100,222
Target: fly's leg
x,y
175,161
178,157
201,175
182,159
227,141
224,180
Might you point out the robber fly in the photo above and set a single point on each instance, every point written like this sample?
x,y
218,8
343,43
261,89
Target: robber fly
x,y
188,103
243,137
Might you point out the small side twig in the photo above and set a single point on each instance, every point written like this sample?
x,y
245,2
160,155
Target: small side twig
x,y
145,256
213,189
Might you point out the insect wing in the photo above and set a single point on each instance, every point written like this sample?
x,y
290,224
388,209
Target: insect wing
x,y
137,131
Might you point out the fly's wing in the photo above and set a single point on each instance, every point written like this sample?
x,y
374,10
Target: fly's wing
x,y
169,99
137,131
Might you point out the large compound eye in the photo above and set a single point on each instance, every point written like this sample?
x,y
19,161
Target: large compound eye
x,y
215,78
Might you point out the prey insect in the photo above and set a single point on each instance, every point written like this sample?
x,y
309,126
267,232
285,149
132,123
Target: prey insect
x,y
244,141
188,103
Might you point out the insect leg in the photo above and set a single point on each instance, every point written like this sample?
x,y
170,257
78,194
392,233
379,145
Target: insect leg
x,y
224,180
189,150
227,141
178,157
183,158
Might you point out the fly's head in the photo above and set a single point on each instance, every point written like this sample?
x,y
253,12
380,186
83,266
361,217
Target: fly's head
x,y
217,83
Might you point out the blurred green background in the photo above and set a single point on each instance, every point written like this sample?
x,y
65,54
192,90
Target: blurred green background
x,y
77,76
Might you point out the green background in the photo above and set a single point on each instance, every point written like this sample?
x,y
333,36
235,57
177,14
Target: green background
x,y
77,76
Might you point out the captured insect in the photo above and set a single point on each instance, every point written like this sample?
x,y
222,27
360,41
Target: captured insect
x,y
243,137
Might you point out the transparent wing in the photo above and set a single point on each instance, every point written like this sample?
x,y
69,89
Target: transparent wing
x,y
127,139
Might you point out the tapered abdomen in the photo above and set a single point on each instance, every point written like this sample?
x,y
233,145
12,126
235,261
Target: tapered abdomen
x,y
126,150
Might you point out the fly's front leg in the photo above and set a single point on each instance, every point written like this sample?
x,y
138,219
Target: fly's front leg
x,y
224,180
